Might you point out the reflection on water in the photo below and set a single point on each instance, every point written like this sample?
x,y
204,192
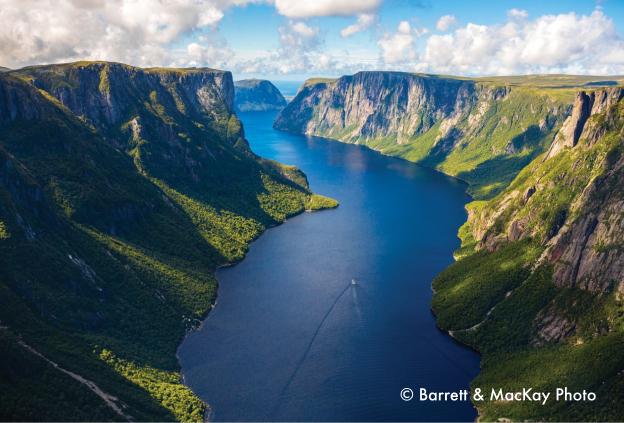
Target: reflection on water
x,y
293,339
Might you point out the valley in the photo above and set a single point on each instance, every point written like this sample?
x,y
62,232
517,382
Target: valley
x,y
537,288
123,189
311,211
293,338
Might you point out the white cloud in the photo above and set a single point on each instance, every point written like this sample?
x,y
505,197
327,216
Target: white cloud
x,y
299,51
446,22
364,22
310,8
185,33
404,27
206,53
518,14
398,48
298,36
566,43
304,30
139,32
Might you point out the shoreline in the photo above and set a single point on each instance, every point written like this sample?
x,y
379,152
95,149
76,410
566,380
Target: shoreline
x,y
456,178
209,410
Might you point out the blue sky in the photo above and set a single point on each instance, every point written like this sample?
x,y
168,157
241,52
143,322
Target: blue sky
x,y
255,27
296,39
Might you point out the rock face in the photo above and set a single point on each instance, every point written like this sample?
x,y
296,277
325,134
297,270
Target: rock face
x,y
17,103
572,200
371,105
555,234
585,105
106,93
588,251
175,120
257,95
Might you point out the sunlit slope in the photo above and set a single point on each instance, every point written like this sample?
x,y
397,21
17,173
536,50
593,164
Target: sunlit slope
x,y
122,190
482,130
539,287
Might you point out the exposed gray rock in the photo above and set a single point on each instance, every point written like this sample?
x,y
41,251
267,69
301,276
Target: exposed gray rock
x,y
371,105
104,93
585,106
552,327
589,251
517,230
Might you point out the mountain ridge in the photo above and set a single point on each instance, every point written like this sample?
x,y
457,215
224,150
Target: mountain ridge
x,y
122,191
465,128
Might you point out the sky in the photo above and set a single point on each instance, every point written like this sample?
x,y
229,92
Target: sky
x,y
297,39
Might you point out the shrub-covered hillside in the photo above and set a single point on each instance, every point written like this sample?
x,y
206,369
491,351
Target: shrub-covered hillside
x,y
122,189
539,290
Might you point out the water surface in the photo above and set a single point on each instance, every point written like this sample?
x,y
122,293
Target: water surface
x,y
292,339
288,88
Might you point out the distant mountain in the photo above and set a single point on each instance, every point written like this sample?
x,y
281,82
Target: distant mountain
x,y
257,95
121,191
3,69
538,288
482,130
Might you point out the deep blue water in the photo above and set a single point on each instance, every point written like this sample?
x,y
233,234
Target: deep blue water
x,y
292,339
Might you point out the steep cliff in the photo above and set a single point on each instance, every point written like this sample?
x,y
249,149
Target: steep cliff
x,y
122,189
257,95
482,131
569,199
540,281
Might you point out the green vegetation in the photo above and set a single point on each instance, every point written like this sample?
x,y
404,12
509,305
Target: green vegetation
x,y
30,385
104,85
558,182
113,217
517,292
553,80
510,358
314,81
532,330
318,202
4,233
493,147
257,95
162,385
466,291
485,139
